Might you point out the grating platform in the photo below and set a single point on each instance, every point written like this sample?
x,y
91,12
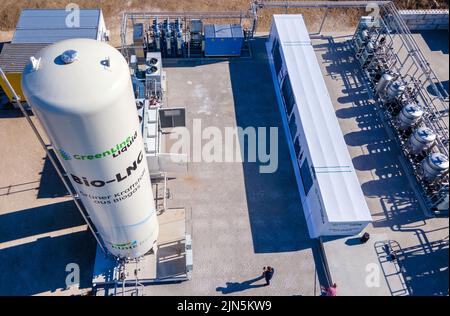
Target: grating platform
x,y
171,263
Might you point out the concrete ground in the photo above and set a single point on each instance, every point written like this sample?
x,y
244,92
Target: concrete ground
x,y
434,44
397,215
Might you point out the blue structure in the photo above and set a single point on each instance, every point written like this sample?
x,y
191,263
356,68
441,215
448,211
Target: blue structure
x,y
223,40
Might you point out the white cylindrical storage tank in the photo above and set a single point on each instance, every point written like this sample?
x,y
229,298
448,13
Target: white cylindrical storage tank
x,y
434,165
422,139
361,39
443,205
81,91
395,90
385,80
409,116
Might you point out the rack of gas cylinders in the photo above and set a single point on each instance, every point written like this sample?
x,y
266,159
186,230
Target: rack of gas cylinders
x,y
417,124
162,36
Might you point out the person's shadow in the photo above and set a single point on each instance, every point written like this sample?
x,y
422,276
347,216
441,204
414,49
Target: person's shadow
x,y
232,287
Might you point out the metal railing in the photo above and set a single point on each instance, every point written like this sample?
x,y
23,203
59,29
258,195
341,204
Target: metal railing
x,y
316,4
257,5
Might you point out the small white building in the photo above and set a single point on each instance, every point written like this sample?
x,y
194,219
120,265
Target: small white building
x,y
332,198
54,25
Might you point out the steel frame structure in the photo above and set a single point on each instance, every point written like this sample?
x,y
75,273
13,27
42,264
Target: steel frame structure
x,y
401,55
251,13
257,5
184,16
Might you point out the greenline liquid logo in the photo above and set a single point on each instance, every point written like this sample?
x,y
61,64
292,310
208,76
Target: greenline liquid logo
x,y
64,155
114,151
125,246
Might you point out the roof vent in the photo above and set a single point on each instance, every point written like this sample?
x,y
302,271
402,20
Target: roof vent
x,y
69,56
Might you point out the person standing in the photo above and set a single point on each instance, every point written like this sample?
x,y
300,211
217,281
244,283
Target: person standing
x,y
268,274
330,291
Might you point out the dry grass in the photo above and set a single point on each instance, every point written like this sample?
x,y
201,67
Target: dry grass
x,y
422,4
10,9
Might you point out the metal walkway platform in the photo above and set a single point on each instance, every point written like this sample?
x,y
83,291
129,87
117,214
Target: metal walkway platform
x,y
171,263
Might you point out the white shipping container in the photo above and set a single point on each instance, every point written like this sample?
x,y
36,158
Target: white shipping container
x,y
332,198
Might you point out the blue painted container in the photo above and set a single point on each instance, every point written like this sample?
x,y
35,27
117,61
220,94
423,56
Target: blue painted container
x,y
223,39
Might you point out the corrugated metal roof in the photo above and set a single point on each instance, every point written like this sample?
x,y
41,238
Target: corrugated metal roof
x,y
49,25
15,56
336,177
209,31
223,31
